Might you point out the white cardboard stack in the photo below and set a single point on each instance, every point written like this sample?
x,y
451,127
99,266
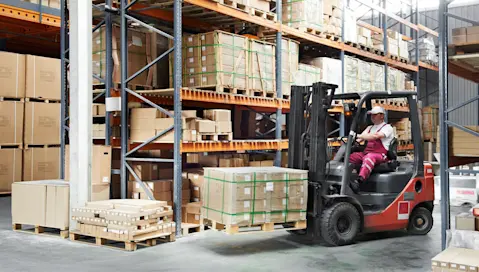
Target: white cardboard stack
x,y
124,219
330,70
307,75
350,31
427,50
303,14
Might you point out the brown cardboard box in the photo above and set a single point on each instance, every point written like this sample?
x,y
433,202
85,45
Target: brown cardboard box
x,y
465,221
192,158
472,38
193,218
205,126
12,75
193,208
209,160
157,186
217,115
473,30
101,164
100,192
41,163
255,163
11,122
146,113
267,163
224,127
10,168
146,171
42,123
41,203
461,39
441,262
43,77
459,31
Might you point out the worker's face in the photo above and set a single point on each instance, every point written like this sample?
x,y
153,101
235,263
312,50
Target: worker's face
x,y
377,118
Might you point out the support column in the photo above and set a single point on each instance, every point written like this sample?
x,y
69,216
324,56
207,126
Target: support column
x,y
124,100
386,47
443,117
63,90
80,103
109,67
279,81
177,84
416,38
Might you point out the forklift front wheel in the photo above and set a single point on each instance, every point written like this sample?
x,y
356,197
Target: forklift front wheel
x,y
340,224
420,221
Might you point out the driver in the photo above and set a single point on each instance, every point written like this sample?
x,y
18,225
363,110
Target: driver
x,y
379,137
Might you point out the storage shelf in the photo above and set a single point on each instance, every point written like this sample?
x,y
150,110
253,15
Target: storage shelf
x,y
30,12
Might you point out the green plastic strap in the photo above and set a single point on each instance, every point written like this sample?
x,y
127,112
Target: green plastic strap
x,y
254,197
264,181
223,199
243,213
208,196
287,197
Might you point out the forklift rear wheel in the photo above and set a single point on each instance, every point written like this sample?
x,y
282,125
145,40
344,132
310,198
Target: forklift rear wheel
x,y
340,224
420,221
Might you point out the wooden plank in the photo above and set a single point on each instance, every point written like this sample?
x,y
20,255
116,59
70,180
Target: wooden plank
x,y
388,13
428,30
379,30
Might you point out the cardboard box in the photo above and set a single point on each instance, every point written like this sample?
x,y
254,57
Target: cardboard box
x,y
41,203
442,261
209,160
10,168
100,167
41,163
43,76
193,208
146,171
100,192
205,126
11,122
459,31
192,158
465,221
42,123
461,39
224,127
472,38
12,75
217,115
146,113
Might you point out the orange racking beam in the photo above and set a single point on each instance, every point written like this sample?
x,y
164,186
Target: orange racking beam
x,y
428,66
428,30
29,15
463,72
379,30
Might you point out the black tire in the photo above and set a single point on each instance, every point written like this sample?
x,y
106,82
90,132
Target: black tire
x,y
420,221
340,224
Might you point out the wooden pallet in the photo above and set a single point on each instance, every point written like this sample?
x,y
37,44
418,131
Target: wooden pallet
x,y
27,146
189,228
117,244
233,4
97,88
63,233
43,100
330,36
310,30
11,146
209,137
287,96
404,141
16,99
400,59
256,228
271,16
262,93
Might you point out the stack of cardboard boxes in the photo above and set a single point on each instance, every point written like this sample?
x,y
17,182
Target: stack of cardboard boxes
x,y
307,75
161,189
396,45
332,17
463,35
364,36
30,112
463,249
217,122
402,129
427,50
47,3
303,14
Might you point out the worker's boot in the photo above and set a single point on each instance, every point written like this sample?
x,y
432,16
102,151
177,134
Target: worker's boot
x,y
355,184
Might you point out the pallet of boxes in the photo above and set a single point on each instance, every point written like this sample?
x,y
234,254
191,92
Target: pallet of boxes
x,y
129,221
462,252
245,199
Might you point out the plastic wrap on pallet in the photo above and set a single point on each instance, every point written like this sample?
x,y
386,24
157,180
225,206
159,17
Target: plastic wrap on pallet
x,y
350,33
351,70
377,77
427,50
364,73
307,75
462,239
403,49
330,70
261,61
303,14
290,62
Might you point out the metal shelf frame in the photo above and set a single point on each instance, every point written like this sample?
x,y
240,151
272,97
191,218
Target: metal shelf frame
x,y
126,13
444,110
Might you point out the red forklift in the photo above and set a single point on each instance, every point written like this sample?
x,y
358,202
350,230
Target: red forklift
x,y
398,195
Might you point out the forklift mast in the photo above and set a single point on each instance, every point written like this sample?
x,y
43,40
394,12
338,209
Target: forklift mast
x,y
307,128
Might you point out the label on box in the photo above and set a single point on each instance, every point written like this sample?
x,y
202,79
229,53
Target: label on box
x,y
190,39
203,48
202,37
284,201
269,186
191,60
247,178
246,216
247,191
106,179
203,58
246,204
204,79
196,188
137,41
203,69
190,49
137,185
155,167
192,80
192,70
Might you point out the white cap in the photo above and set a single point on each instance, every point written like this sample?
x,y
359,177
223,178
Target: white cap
x,y
376,110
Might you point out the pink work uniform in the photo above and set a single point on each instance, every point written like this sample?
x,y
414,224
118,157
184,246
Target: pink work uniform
x,y
374,154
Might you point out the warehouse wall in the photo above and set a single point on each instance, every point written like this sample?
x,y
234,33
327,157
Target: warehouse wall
x,y
460,89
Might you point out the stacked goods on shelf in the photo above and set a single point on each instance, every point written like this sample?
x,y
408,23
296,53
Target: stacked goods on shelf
x,y
100,171
126,220
192,213
217,60
332,17
42,117
377,40
427,50
290,62
364,76
330,70
219,122
409,85
350,32
364,36
402,129
430,121
145,123
160,189
396,79
42,203
306,75
304,15
461,143
12,92
47,3
403,49
463,35
195,177
261,68
249,196
351,70
140,53
377,77
393,42
98,110
396,45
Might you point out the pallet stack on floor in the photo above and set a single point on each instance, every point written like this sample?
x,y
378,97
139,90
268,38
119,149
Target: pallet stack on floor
x,y
30,112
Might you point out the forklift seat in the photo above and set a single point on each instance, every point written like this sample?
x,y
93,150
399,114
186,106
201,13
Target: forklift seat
x,y
392,164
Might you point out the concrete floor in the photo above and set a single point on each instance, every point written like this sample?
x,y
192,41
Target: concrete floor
x,y
215,251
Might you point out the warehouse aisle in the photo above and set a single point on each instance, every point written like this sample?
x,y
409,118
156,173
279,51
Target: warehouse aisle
x,y
210,250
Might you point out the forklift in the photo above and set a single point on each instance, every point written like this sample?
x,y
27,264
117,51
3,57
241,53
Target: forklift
x,y
398,195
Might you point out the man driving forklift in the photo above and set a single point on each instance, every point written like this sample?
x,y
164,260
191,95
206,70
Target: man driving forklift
x,y
378,137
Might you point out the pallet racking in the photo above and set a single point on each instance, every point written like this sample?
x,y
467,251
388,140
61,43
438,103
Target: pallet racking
x,y
178,13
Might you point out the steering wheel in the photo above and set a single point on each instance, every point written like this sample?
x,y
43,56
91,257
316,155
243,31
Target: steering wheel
x,y
343,139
